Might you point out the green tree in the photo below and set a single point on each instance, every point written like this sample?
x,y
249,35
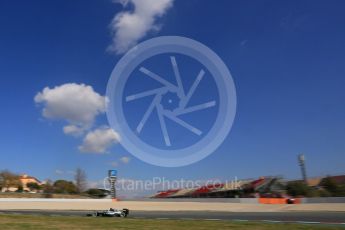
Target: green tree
x,y
63,186
80,180
48,187
297,188
94,192
9,179
332,187
33,186
20,188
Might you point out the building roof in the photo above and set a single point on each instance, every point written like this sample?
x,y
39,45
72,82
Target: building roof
x,y
27,177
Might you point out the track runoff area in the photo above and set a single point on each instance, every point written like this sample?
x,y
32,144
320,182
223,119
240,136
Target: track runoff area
x,y
312,218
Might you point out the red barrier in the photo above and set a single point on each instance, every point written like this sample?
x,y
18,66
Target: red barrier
x,y
278,201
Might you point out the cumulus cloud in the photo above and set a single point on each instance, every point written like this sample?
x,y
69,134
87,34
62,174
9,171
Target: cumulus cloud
x,y
78,104
99,140
114,164
59,172
128,27
73,130
122,160
95,184
125,160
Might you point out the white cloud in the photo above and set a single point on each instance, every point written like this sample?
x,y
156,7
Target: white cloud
x,y
99,140
95,184
59,172
78,104
114,164
244,42
128,27
125,160
71,172
73,130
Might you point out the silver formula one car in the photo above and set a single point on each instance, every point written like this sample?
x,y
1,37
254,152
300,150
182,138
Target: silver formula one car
x,y
111,213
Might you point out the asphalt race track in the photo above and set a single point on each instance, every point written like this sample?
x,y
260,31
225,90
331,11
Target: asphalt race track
x,y
299,217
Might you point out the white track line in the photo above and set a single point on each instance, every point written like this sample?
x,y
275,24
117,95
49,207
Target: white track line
x,y
213,219
308,222
272,221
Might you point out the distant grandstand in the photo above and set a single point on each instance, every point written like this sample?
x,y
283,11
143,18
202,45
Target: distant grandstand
x,y
264,187
244,188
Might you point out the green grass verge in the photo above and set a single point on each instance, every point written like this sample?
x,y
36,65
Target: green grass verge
x,y
59,222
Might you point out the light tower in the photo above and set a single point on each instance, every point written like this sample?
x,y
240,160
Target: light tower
x,y
112,176
301,160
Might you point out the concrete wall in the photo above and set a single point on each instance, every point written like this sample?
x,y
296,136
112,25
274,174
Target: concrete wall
x,y
247,200
202,200
317,200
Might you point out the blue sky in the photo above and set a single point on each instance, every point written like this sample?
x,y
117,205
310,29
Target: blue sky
x,y
287,59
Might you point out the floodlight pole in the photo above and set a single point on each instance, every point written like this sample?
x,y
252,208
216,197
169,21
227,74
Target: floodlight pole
x,y
301,160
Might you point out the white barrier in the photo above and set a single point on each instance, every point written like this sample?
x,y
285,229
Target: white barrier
x,y
319,200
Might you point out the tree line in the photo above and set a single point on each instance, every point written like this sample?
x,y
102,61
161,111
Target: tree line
x,y
9,179
328,187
